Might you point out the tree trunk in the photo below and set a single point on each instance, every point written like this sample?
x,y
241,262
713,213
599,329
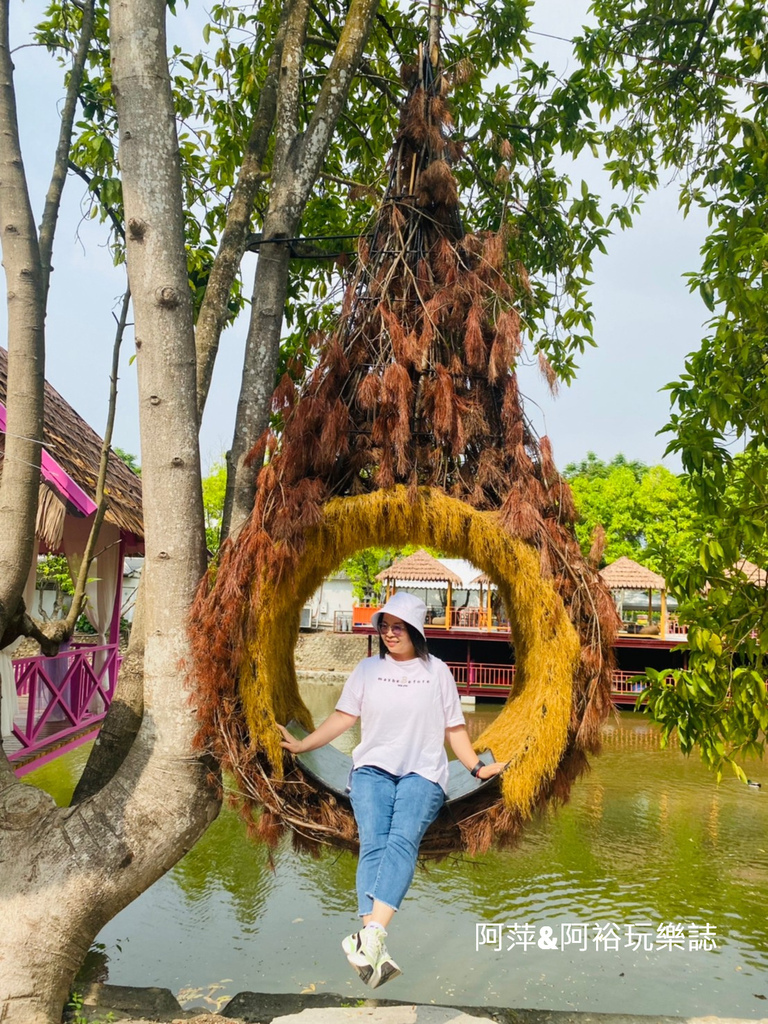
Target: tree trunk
x,y
122,721
67,871
20,478
297,164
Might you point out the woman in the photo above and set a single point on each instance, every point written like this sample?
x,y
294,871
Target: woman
x,y
408,705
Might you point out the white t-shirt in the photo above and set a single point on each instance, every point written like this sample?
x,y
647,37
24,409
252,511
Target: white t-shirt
x,y
404,709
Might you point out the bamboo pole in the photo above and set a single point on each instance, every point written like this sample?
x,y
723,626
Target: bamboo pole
x,y
433,45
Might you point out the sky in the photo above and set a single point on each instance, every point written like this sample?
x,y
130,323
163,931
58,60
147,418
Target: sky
x,y
646,320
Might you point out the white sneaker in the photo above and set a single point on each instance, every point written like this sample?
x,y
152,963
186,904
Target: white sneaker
x,y
366,952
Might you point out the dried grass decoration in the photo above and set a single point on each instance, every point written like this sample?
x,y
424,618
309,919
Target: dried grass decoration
x,y
410,428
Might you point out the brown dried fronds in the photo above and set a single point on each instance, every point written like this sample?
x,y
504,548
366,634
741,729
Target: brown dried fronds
x,y
474,344
413,121
494,251
476,425
597,548
549,474
409,74
548,373
445,259
369,391
456,367
565,503
491,471
424,280
334,437
436,140
284,394
521,275
436,185
443,413
439,111
521,518
401,347
397,388
463,70
255,456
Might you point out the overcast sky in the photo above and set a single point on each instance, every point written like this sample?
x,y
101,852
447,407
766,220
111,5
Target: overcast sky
x,y
646,320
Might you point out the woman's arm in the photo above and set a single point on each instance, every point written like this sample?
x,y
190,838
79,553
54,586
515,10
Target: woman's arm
x,y
335,724
461,745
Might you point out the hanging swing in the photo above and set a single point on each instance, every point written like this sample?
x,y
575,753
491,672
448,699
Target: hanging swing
x,y
409,429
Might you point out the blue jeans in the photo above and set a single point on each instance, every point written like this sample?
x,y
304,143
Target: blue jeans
x,y
392,814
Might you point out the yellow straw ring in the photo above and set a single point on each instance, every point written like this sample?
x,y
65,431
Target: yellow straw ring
x,y
532,730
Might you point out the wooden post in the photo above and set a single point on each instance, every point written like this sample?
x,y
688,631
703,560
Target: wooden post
x,y
488,607
663,620
448,608
114,626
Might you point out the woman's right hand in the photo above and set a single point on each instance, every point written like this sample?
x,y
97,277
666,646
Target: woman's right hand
x,y
290,743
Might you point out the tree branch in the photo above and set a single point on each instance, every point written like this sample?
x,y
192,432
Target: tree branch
x,y
117,224
297,164
100,497
59,175
213,311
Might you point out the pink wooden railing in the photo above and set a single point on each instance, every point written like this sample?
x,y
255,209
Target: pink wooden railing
x,y
476,675
60,698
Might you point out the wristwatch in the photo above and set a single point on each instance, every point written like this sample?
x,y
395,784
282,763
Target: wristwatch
x,y
474,772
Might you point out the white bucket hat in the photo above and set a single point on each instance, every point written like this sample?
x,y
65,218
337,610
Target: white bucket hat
x,y
408,607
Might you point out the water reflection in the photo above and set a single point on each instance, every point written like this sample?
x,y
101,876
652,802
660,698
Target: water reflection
x,y
648,836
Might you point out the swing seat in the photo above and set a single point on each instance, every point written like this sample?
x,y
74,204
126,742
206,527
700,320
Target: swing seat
x,y
331,769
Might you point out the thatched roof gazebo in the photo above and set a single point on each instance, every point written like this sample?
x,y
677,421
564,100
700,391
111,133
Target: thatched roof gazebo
x,y
626,574
421,571
70,467
66,510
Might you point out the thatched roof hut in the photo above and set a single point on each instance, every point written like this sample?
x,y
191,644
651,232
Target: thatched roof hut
x,y
420,567
626,574
70,465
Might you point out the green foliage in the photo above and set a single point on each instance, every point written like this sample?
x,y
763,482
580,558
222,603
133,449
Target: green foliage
x,y
514,132
75,1012
684,88
593,468
362,569
214,491
54,569
644,510
131,461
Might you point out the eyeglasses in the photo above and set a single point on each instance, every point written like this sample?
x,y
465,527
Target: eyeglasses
x,y
395,628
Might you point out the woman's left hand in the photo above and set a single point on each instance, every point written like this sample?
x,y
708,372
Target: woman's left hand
x,y
489,770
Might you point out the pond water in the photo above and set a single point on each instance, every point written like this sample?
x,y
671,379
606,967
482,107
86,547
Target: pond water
x,y
648,841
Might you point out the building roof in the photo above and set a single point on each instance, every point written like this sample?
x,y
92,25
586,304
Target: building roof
x,y
465,570
420,567
76,448
753,572
625,574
